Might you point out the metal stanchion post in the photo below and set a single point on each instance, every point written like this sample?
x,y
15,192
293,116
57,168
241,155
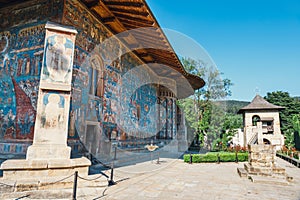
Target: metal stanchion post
x,y
111,181
151,157
115,155
75,185
191,159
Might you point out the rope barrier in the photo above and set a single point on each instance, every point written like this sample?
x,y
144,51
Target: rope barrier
x,y
62,179
48,183
90,179
93,180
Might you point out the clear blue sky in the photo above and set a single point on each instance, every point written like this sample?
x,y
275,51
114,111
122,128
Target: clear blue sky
x,y
256,44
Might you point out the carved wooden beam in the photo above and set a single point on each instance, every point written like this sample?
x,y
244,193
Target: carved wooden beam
x,y
123,3
134,12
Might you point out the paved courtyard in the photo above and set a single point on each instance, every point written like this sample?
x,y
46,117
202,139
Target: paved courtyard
x,y
173,179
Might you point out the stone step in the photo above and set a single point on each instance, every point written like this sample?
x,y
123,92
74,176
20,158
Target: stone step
x,y
269,180
266,171
242,172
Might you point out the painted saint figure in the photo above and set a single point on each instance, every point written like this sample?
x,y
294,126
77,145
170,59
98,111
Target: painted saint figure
x,y
53,113
58,59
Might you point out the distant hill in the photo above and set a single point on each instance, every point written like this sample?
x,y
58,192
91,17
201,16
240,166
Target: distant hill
x,y
233,106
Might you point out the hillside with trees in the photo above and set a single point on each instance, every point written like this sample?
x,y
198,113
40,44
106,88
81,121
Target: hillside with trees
x,y
233,106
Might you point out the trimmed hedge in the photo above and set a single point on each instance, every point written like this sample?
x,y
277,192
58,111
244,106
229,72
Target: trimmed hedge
x,y
213,157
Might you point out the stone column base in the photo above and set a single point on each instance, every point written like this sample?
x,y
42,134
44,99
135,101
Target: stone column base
x,y
37,169
48,151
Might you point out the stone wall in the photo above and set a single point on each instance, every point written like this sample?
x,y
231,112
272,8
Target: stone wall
x,y
22,36
112,105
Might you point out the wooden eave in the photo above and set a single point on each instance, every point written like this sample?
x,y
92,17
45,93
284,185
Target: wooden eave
x,y
134,15
151,46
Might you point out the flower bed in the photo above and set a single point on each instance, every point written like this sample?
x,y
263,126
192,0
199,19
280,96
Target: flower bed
x,y
290,152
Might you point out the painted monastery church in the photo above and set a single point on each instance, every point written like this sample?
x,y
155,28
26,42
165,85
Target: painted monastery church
x,y
112,80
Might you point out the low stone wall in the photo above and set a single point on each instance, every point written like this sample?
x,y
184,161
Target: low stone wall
x,y
262,155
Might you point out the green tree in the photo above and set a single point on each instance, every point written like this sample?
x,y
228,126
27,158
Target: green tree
x,y
296,123
292,108
232,122
296,126
201,111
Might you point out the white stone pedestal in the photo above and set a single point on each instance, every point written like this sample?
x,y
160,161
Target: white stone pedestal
x,y
34,170
49,155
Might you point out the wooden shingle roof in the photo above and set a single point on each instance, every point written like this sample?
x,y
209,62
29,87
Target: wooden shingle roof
x,y
151,46
259,103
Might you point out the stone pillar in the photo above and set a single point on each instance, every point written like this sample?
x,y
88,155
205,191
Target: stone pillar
x,y
51,125
49,154
262,166
262,155
259,133
174,119
246,135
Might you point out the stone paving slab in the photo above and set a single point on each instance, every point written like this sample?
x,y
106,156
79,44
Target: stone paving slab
x,y
177,180
174,179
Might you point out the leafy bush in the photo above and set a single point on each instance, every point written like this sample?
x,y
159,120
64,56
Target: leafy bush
x,y
243,156
210,157
213,157
186,157
226,157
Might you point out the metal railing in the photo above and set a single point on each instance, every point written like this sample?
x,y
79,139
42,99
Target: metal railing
x,y
254,138
289,159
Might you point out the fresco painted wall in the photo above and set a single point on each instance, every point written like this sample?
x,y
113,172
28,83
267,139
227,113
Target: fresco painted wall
x,y
97,95
21,49
103,107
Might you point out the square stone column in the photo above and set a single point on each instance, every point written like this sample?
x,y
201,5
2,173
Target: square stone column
x,y
49,154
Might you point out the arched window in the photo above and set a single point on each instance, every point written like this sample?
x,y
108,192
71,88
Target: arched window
x,y
255,119
96,77
266,141
138,112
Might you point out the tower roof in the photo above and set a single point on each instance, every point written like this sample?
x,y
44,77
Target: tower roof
x,y
259,103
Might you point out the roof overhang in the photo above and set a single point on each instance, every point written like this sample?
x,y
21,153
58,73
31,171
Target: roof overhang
x,y
134,17
144,34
